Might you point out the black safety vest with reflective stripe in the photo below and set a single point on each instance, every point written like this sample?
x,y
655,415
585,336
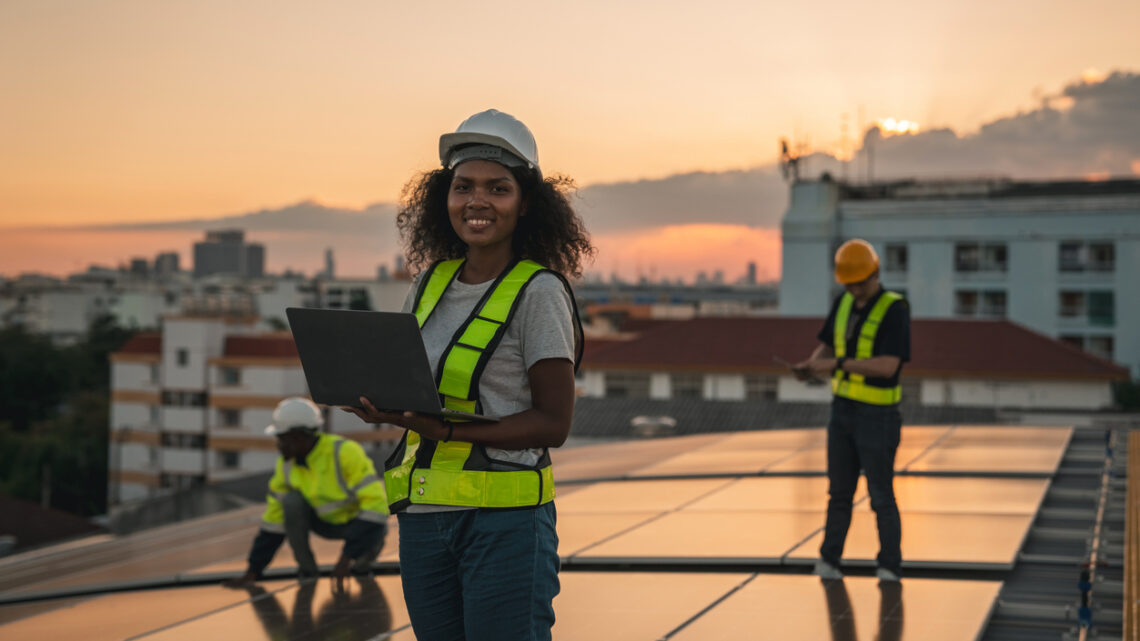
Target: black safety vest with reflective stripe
x,y
456,472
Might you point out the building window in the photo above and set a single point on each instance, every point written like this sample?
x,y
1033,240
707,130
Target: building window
x,y
627,385
896,258
182,440
995,258
229,417
1072,304
1102,257
993,304
155,416
1069,257
965,303
1078,256
229,460
173,398
229,376
1101,346
154,373
183,357
978,257
760,388
966,257
1102,309
687,385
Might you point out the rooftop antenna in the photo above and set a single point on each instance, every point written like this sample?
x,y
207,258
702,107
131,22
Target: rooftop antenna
x,y
789,162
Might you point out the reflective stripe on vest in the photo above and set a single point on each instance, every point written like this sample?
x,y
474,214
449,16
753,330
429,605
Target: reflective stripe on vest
x,y
336,510
854,386
455,473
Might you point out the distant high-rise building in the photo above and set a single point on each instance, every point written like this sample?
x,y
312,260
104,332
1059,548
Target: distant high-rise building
x,y
750,277
399,264
226,252
139,267
166,264
382,273
330,268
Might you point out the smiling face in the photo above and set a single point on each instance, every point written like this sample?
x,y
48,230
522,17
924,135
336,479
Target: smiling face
x,y
484,203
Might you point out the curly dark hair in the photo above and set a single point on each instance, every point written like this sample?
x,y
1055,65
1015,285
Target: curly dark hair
x,y
551,234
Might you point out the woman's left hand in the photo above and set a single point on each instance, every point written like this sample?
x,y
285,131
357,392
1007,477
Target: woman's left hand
x,y
427,426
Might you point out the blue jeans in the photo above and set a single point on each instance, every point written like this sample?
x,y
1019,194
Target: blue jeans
x,y
480,575
862,436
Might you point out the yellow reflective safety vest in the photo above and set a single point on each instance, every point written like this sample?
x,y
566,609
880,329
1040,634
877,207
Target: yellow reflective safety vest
x,y
854,386
338,480
432,472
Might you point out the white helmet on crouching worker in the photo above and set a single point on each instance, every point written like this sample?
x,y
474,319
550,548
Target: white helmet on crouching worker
x,y
490,135
296,413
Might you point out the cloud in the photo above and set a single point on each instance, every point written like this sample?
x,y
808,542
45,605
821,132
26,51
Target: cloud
x,y
1089,129
755,197
307,215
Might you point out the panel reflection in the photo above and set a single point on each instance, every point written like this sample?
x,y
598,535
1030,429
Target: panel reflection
x,y
348,614
355,610
842,615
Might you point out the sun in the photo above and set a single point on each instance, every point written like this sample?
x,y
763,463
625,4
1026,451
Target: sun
x,y
894,127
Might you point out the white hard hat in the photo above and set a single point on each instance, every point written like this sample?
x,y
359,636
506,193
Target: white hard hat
x,y
485,136
295,413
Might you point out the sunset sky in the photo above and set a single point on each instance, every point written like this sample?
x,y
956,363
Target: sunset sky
x,y
138,111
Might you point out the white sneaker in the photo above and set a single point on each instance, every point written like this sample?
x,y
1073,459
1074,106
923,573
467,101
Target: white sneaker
x,y
886,575
825,570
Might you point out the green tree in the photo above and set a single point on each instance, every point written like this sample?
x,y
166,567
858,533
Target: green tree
x,y
54,417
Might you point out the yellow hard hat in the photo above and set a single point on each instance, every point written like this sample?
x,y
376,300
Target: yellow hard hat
x,y
855,260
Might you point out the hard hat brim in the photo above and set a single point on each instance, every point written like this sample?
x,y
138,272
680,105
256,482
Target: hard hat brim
x,y
272,430
448,142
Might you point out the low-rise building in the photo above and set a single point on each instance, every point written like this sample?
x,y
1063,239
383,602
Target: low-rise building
x,y
955,363
189,405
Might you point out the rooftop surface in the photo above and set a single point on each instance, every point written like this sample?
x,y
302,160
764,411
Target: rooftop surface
x,y
707,536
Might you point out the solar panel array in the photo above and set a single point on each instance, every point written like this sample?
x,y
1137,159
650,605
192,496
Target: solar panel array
x,y
704,537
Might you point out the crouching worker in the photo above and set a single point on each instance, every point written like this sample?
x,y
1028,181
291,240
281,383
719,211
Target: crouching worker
x,y
324,484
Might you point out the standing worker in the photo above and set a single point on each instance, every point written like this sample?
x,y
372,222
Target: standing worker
x,y
495,241
324,484
863,345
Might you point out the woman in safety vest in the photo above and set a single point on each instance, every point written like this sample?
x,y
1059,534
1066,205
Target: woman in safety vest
x,y
492,241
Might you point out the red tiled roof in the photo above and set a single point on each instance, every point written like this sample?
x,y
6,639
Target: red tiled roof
x,y
279,345
960,348
35,525
143,343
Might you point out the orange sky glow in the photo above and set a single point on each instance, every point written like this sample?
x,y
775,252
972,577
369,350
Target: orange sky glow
x,y
131,110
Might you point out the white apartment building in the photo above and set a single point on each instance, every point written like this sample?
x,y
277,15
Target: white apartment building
x,y
189,405
1058,257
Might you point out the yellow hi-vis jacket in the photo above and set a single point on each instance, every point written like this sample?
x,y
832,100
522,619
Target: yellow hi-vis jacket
x,y
455,472
338,480
854,386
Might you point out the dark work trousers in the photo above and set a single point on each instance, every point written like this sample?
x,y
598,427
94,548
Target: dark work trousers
x,y
300,520
861,436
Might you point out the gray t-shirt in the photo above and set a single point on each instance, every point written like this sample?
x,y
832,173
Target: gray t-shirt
x,y
542,328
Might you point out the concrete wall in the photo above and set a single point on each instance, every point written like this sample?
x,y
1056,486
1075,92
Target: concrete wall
x,y
135,376
184,419
181,460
